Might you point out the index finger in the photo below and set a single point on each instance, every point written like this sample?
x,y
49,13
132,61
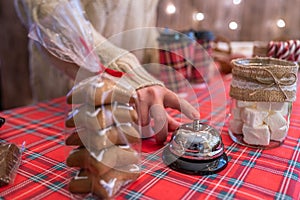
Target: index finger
x,y
173,101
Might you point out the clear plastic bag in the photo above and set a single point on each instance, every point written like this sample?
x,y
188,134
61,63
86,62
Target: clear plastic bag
x,y
102,124
104,128
64,31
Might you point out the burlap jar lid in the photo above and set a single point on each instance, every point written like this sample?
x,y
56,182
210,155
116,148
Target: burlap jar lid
x,y
264,79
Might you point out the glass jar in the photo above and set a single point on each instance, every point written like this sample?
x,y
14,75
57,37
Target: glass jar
x,y
259,124
262,91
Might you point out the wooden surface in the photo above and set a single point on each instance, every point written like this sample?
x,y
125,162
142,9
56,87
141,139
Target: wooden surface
x,y
257,19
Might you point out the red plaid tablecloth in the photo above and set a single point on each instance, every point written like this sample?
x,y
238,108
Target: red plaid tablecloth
x,y
250,174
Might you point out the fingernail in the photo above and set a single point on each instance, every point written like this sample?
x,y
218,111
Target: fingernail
x,y
196,115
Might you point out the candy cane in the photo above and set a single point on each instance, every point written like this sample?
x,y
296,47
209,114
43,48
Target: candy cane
x,y
271,49
280,48
292,47
297,51
285,51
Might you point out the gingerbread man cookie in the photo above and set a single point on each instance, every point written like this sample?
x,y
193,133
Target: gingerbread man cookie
x,y
120,134
105,186
101,90
102,116
102,161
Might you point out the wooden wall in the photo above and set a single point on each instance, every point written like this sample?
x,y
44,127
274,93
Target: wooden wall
x,y
14,70
257,20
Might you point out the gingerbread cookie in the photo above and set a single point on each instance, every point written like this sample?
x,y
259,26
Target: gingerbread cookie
x,y
73,139
101,117
105,186
102,161
100,90
121,134
9,162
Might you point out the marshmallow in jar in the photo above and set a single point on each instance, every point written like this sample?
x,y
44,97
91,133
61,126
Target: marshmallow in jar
x,y
262,92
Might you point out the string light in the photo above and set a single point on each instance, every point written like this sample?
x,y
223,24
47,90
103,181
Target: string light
x,y
236,2
233,25
198,16
171,9
280,23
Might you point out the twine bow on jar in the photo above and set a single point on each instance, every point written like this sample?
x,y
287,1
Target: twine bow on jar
x,y
286,79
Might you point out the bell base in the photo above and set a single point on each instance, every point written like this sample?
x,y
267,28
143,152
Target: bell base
x,y
194,167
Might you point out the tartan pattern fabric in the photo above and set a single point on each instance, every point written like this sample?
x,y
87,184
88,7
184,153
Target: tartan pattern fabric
x,y
250,174
176,60
185,61
201,62
42,173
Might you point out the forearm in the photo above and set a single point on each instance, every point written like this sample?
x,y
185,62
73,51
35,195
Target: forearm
x,y
119,59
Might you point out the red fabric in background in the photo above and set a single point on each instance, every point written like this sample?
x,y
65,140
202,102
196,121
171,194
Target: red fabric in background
x,y
250,174
202,61
176,61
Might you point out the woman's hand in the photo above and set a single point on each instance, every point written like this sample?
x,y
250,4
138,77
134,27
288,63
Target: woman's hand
x,y
151,103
